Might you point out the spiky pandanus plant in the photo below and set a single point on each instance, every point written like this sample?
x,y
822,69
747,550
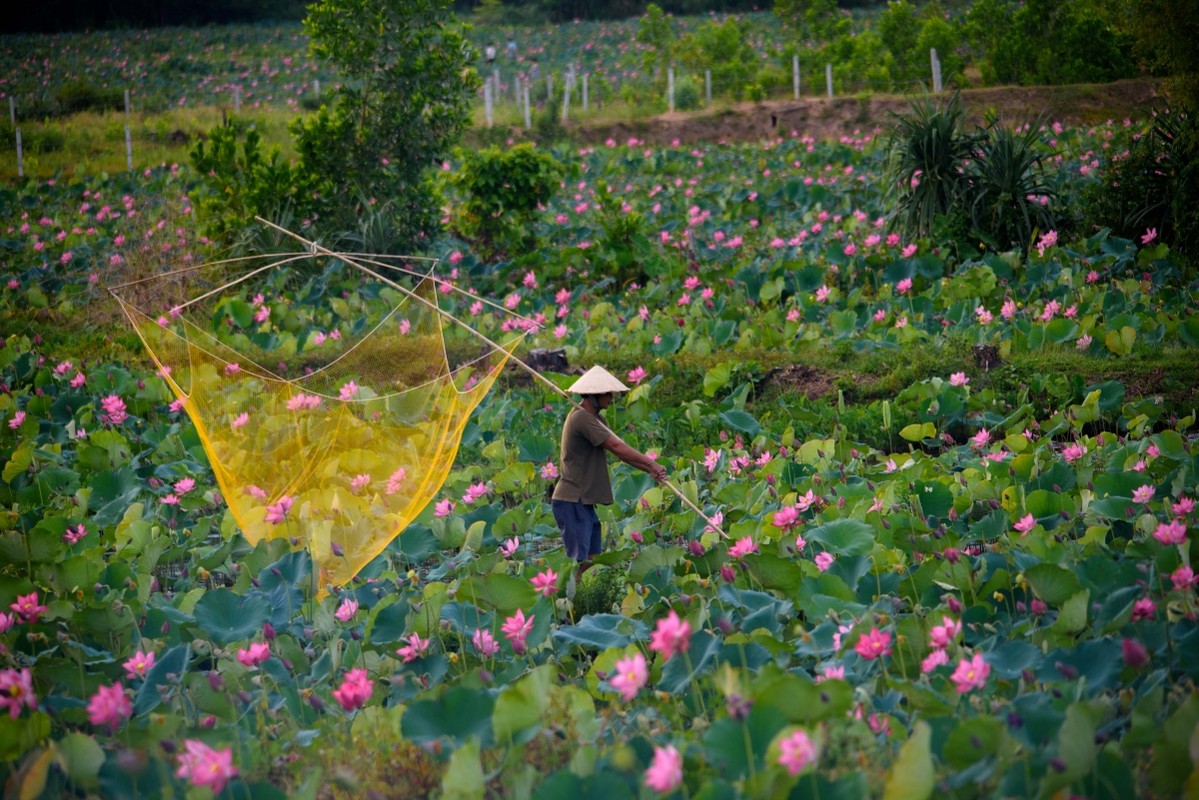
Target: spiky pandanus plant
x,y
1010,195
927,155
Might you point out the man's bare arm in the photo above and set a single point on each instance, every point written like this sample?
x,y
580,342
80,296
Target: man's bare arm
x,y
633,457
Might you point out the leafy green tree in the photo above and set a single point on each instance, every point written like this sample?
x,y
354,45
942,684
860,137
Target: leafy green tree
x,y
722,48
404,104
1164,33
503,190
657,34
1059,42
899,28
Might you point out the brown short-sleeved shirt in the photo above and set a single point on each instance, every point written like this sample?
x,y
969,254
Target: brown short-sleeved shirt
x,y
583,474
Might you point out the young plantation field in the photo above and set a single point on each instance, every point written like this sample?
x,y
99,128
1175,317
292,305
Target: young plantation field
x,y
957,493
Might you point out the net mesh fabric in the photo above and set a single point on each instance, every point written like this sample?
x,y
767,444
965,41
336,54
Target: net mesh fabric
x,y
330,393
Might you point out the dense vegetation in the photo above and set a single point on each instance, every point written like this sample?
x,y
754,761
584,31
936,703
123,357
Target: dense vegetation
x,y
933,392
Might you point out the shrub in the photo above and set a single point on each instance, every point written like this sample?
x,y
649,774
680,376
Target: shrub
x,y
83,95
1154,184
504,189
687,94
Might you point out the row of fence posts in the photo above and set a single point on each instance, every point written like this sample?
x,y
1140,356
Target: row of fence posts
x,y
491,88
12,119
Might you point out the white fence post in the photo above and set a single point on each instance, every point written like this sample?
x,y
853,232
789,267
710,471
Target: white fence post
x,y
487,101
236,99
549,88
516,91
795,74
708,86
584,92
568,83
316,88
20,157
828,78
936,64
670,88
128,138
528,113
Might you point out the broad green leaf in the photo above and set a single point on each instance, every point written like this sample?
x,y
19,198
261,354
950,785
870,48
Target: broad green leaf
x,y
458,715
521,705
741,421
683,668
464,776
843,537
717,378
168,670
603,631
80,757
227,617
21,460
1053,584
918,431
912,776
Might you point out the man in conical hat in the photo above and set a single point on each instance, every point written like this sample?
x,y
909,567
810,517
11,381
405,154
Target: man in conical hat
x,y
583,480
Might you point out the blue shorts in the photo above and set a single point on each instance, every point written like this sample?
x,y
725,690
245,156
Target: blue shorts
x,y
580,526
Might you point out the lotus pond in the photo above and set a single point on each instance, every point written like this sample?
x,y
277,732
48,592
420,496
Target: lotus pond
x,y
944,572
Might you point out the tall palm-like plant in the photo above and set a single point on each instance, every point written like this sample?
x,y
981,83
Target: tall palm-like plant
x,y
928,151
1010,195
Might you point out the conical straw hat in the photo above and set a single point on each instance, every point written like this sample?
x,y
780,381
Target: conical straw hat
x,y
597,380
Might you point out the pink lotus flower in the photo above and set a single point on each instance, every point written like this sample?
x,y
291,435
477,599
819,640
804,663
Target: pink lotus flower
x,y
786,518
743,547
1026,524
347,390
346,611
980,440
416,648
672,635
904,286
1184,506
277,512
822,294
16,691
711,459
254,655
549,471
17,420
139,664
874,644
1149,235
184,485
909,251
114,409
78,380
28,609
360,482
637,375
1008,310
971,674
204,766
665,773
631,674
509,547
73,536
516,629
832,673
797,752
395,481
941,636
1143,494
1171,532
937,658
355,690
443,508
1183,577
545,582
984,317
474,492
1073,452
109,706
1083,342
958,379
824,561
485,643
1144,608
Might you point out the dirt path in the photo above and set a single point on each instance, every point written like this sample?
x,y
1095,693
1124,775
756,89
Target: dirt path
x,y
824,118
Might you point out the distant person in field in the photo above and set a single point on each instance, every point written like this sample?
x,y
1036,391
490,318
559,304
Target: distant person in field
x,y
583,480
489,54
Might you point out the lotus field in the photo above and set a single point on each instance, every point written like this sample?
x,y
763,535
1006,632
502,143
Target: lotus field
x,y
963,564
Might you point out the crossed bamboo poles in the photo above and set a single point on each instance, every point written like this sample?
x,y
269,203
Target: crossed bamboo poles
x,y
315,248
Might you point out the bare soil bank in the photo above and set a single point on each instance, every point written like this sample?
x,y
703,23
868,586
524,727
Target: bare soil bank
x,y
824,118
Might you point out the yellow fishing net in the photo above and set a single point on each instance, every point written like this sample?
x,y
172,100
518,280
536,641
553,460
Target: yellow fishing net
x,y
330,391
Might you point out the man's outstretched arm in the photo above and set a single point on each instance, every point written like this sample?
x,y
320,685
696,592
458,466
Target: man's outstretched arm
x,y
634,457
